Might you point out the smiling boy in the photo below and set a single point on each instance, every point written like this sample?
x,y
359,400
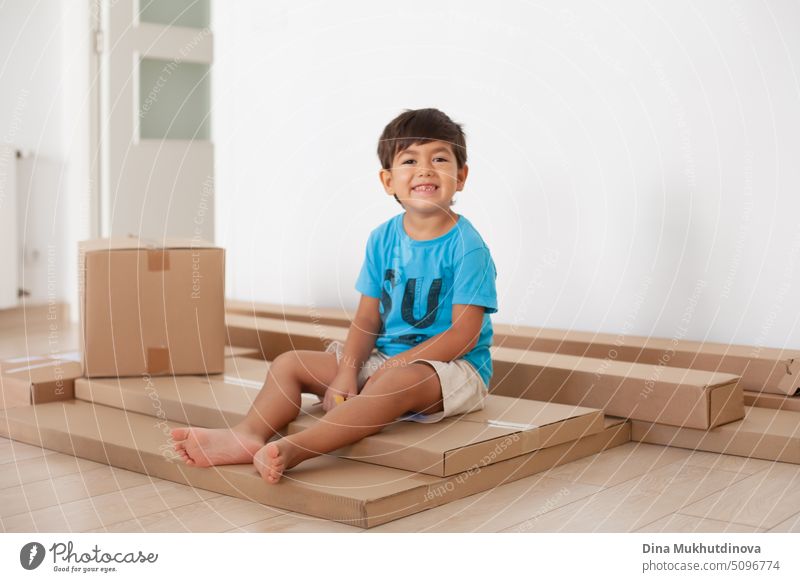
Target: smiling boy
x,y
418,346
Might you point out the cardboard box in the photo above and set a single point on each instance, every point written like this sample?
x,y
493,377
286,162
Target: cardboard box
x,y
775,401
359,494
246,368
678,397
505,428
693,398
761,369
36,380
152,310
763,433
770,370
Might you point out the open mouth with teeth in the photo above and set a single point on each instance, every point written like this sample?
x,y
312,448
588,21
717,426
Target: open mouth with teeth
x,y
425,188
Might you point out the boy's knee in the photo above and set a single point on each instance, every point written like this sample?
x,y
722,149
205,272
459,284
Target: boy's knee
x,y
285,363
403,382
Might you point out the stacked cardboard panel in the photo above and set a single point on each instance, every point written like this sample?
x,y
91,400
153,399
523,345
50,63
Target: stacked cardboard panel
x,y
770,370
351,492
679,397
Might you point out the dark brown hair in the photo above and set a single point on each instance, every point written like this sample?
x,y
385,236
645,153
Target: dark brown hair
x,y
419,126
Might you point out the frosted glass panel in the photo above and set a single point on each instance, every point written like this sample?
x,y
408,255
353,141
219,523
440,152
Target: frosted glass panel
x,y
190,13
174,100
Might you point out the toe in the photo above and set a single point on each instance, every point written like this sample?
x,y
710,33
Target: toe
x,y
180,434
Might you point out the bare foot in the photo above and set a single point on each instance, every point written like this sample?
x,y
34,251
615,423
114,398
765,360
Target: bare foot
x,y
203,447
274,458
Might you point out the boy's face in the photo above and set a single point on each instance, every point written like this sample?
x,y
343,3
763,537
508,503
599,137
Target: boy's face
x,y
425,177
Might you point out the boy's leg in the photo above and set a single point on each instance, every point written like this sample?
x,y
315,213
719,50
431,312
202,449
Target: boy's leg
x,y
277,404
413,388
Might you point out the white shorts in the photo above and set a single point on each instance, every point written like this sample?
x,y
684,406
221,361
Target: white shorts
x,y
463,389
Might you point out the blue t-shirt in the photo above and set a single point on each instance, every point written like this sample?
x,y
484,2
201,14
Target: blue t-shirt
x,y
417,283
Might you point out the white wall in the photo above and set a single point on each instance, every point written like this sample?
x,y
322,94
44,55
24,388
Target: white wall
x,y
43,109
634,165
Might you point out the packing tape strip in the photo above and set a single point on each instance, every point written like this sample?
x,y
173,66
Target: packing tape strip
x,y
157,260
158,361
506,424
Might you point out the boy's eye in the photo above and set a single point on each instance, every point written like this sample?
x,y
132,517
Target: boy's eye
x,y
408,162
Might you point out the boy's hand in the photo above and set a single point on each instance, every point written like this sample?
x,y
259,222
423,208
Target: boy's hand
x,y
340,390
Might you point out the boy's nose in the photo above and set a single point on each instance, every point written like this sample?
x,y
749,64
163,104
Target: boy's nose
x,y
423,171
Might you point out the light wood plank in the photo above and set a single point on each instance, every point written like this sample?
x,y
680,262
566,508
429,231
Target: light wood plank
x,y
731,463
217,514
680,523
634,503
790,525
72,487
619,464
13,452
45,467
101,510
763,500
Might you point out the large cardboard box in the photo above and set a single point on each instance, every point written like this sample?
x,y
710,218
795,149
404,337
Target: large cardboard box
x,y
681,397
351,492
505,428
762,434
691,398
771,370
37,379
156,310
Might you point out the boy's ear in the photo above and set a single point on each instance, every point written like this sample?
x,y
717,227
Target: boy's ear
x,y
461,177
385,177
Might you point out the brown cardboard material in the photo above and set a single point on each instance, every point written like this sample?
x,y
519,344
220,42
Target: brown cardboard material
x,y
770,370
335,316
273,337
238,352
36,380
693,398
762,369
763,433
776,401
347,491
505,428
148,310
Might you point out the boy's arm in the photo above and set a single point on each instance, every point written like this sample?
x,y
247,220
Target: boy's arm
x,y
360,337
449,345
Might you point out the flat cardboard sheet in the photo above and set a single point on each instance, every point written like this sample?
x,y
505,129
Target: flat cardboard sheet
x,y
763,433
505,428
360,494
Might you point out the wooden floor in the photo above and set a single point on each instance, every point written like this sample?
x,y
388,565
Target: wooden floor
x,y
635,487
